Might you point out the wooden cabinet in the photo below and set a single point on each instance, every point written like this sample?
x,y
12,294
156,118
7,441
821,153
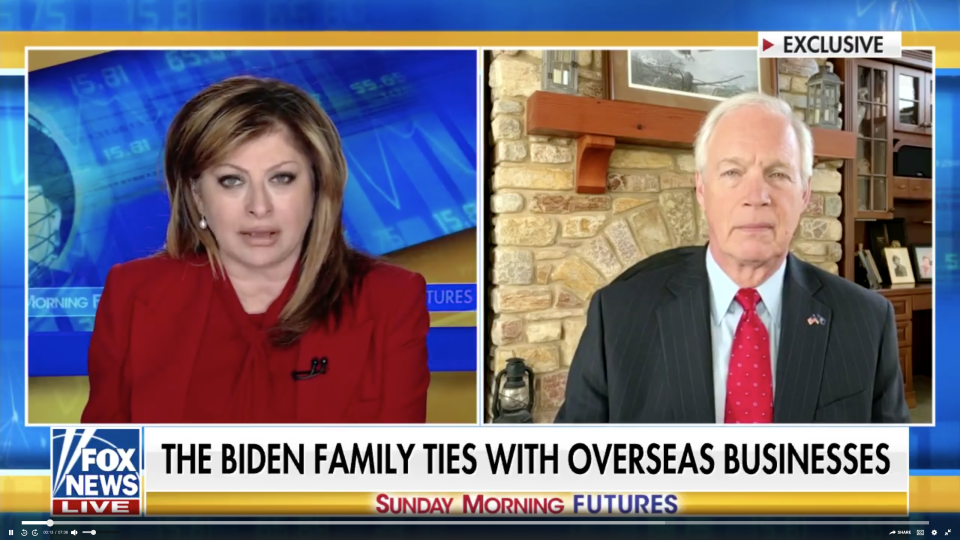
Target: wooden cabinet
x,y
913,94
888,105
905,302
874,138
892,108
912,189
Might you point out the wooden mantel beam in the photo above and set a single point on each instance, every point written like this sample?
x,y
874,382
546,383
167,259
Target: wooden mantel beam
x,y
599,123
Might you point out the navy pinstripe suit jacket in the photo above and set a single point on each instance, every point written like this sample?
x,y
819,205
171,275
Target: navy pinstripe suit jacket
x,y
645,355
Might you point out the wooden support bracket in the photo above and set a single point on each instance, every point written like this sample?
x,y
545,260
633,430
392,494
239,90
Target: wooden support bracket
x,y
593,160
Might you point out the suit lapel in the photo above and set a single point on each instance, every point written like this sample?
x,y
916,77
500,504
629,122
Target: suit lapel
x,y
166,332
803,346
684,323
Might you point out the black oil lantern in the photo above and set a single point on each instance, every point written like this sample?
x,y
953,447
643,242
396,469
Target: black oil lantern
x,y
513,402
823,99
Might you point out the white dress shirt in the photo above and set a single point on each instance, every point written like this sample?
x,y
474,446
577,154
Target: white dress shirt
x,y
725,313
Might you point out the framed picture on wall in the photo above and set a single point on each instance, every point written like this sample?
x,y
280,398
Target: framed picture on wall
x,y
923,263
898,265
696,79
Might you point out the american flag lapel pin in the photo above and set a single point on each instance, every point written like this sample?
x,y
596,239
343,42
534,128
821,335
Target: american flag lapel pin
x,y
812,320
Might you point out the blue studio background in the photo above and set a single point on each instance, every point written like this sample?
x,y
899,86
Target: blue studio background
x,y
934,451
96,198
488,15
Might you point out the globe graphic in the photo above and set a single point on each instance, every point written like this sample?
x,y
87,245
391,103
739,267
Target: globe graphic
x,y
52,209
51,204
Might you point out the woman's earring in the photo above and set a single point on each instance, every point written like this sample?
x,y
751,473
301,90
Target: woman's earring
x,y
203,223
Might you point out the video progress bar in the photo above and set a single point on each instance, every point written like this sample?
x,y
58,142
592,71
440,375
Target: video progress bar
x,y
476,522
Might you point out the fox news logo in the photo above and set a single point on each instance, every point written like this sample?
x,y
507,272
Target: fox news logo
x,y
95,471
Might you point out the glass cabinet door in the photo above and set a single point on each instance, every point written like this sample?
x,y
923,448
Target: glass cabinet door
x,y
873,136
911,102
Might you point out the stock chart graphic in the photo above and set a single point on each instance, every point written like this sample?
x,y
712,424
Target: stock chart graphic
x,y
96,133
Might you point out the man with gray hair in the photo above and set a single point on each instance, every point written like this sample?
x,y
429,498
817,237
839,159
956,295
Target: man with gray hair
x,y
739,331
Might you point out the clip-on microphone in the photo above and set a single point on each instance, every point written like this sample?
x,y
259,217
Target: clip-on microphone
x,y
304,375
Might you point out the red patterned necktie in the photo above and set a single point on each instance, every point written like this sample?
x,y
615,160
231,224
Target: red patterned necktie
x,y
749,382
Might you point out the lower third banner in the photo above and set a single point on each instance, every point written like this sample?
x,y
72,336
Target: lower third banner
x,y
527,504
574,471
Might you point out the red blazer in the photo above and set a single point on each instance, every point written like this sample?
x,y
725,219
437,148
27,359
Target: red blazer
x,y
149,324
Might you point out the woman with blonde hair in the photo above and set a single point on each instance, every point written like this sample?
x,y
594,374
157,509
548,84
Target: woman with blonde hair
x,y
257,310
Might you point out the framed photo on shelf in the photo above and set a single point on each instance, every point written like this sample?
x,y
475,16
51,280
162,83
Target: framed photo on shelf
x,y
878,240
696,79
923,262
898,265
896,232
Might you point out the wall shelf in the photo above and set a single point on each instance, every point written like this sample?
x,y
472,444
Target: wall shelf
x,y
609,122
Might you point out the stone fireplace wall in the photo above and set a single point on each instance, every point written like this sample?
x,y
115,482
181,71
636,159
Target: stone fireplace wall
x,y
554,248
